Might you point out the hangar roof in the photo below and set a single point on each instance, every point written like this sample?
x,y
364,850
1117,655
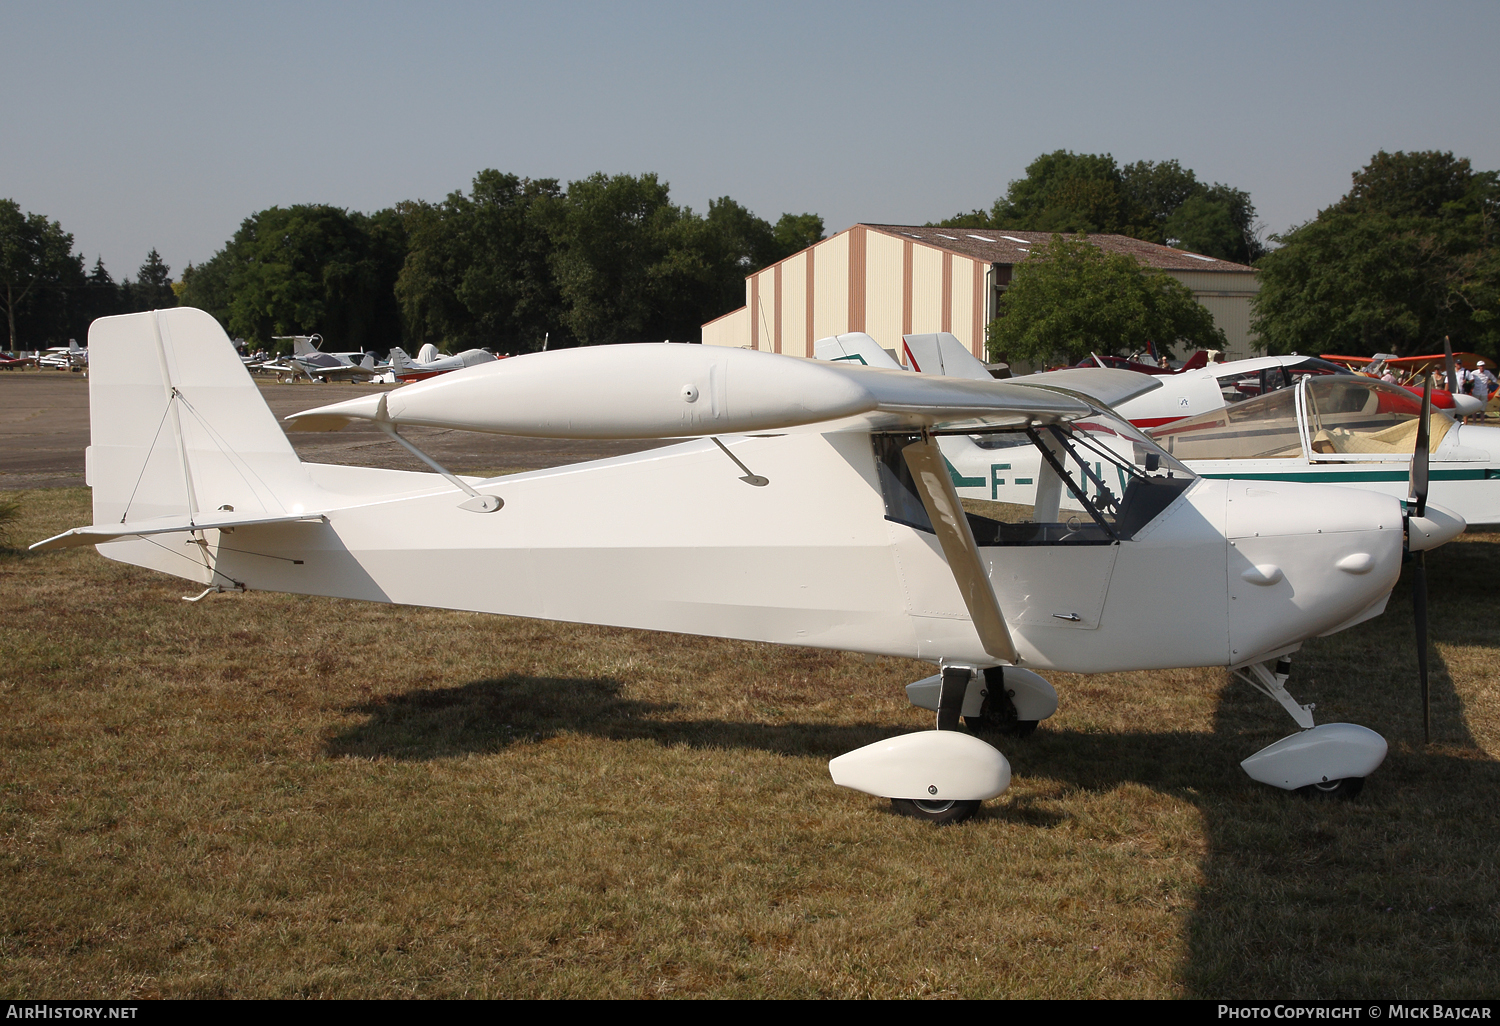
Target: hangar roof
x,y
1004,246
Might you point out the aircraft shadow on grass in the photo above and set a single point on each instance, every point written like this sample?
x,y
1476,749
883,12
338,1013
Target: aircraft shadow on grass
x,y
1395,894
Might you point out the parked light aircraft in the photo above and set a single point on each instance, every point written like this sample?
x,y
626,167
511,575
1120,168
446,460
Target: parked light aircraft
x,y
1446,366
810,506
430,363
66,357
307,359
1342,428
1347,430
1183,394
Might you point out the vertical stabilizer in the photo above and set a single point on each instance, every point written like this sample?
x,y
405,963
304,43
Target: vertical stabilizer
x,y
176,422
942,353
854,347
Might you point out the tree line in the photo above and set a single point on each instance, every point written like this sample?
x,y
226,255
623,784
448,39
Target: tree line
x,y
512,265
1406,257
47,295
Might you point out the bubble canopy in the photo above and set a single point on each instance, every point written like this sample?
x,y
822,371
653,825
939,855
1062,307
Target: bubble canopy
x,y
1324,418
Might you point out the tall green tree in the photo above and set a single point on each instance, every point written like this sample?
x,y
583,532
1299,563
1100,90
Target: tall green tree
x,y
1070,192
1158,201
99,297
611,256
795,232
152,288
305,269
38,269
1069,298
476,271
1406,257
632,266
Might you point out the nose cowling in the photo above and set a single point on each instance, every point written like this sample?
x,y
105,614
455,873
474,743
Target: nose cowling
x,y
1304,560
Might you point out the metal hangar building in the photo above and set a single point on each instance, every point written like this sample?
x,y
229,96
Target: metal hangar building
x,y
890,280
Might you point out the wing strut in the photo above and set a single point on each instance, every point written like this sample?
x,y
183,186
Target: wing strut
x,y
952,528
476,502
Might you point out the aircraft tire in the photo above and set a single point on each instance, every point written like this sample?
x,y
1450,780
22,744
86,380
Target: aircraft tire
x,y
1002,721
1346,788
935,812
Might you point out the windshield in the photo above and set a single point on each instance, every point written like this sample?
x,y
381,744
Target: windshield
x,y
1097,480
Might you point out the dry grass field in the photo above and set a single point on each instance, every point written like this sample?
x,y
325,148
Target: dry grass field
x,y
264,795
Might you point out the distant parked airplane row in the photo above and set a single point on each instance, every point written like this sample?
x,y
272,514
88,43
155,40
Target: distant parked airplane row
x,y
307,360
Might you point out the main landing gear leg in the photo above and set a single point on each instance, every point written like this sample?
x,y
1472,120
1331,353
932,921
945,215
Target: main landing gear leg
x,y
1327,761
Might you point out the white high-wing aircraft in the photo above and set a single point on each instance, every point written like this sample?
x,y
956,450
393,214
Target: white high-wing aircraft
x,y
812,506
1180,395
1194,392
430,363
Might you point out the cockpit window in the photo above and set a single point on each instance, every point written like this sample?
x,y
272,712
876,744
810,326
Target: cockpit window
x,y
1362,416
1257,429
1238,387
1092,482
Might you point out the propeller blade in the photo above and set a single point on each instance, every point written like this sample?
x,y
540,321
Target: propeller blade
x,y
1448,365
1417,500
1419,607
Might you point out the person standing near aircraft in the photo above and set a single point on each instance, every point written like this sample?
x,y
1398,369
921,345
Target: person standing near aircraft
x,y
1482,385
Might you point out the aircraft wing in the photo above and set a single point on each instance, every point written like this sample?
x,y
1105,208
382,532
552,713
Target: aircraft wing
x,y
675,391
98,533
1107,385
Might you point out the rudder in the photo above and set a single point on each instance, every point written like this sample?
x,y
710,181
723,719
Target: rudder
x,y
176,422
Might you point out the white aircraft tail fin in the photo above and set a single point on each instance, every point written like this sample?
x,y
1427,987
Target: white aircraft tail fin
x,y
855,347
397,358
428,353
177,424
942,353
368,362
304,345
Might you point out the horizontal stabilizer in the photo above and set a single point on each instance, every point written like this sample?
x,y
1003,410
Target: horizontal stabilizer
x,y
98,533
675,391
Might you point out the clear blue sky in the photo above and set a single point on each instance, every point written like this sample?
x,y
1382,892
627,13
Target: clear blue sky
x,y
160,124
